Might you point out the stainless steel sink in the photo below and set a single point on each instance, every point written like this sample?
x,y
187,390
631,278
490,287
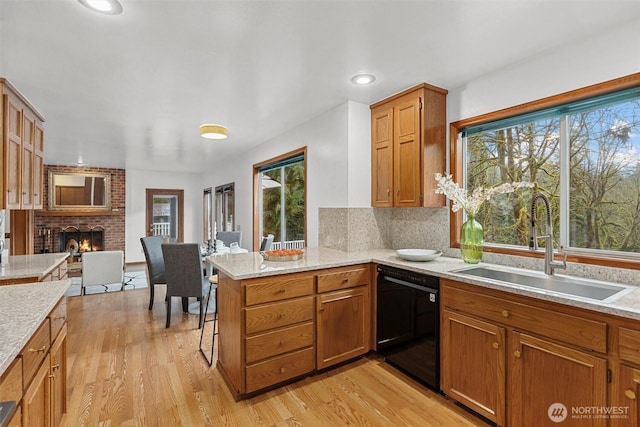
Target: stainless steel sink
x,y
591,289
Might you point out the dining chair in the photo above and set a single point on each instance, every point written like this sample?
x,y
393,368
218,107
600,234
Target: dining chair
x,y
228,237
266,242
152,247
183,273
102,268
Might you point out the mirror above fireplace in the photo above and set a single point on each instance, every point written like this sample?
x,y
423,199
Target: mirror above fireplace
x,y
77,191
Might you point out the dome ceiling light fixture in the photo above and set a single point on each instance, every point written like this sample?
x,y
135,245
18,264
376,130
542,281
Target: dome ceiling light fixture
x,y
109,7
363,79
211,131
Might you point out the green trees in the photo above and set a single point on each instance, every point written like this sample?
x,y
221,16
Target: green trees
x,y
284,205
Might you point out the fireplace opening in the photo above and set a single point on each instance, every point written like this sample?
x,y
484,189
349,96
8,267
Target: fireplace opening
x,y
77,240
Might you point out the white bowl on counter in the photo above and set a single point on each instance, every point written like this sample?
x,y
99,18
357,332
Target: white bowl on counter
x,y
418,254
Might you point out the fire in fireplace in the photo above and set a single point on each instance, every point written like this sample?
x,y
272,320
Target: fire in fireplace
x,y
76,240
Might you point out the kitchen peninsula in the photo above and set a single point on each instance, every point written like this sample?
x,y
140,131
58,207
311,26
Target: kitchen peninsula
x,y
34,268
280,321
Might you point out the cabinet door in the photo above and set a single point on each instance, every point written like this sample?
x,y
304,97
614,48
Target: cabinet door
x,y
28,140
406,155
343,322
627,400
35,402
13,155
59,377
549,380
38,166
382,157
473,364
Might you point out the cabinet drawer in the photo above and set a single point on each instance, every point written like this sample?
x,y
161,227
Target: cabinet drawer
x,y
573,330
58,317
277,342
34,352
11,383
278,289
274,371
343,279
276,315
629,345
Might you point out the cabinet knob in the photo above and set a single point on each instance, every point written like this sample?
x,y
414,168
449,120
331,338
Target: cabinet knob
x,y
630,394
388,191
282,370
495,345
345,280
516,353
281,343
505,313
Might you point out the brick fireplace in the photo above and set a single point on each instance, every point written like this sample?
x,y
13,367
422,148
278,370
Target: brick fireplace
x,y
53,230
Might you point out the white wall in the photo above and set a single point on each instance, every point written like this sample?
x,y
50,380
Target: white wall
x,y
327,138
359,156
137,183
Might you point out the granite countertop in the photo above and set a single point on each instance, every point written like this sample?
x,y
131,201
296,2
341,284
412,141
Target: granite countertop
x,y
38,265
250,265
22,310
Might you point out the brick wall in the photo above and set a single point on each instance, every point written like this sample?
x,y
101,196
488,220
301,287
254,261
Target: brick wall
x,y
114,225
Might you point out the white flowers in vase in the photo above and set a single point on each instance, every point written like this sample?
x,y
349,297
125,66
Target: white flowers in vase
x,y
471,202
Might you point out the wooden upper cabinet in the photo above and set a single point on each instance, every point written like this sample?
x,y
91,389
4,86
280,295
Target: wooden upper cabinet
x,y
22,151
408,147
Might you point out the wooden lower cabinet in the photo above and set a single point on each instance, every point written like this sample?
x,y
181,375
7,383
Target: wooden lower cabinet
x,y
343,325
36,399
473,364
544,373
58,376
627,400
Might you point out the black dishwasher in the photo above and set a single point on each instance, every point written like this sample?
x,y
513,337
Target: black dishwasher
x,y
408,322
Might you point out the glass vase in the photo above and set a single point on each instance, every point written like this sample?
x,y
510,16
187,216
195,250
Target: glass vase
x,y
471,241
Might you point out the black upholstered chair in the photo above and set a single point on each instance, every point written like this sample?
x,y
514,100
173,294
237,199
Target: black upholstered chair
x,y
183,272
155,263
228,237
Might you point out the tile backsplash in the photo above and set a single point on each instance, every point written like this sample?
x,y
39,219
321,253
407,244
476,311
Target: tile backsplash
x,y
361,229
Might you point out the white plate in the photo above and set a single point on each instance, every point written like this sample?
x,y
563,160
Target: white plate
x,y
418,254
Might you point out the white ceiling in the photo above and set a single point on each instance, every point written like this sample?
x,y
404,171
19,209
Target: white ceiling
x,y
130,91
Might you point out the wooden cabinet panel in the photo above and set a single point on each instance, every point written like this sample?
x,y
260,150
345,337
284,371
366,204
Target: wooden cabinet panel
x,y
276,315
277,289
58,317
58,375
629,345
570,329
38,166
473,364
28,139
273,343
627,398
343,325
13,149
408,147
343,279
11,386
544,373
16,420
382,157
274,371
36,404
35,351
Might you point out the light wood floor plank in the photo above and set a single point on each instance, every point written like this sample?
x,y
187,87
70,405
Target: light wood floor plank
x,y
126,369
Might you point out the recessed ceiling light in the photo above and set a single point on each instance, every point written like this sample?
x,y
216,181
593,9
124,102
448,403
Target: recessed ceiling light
x,y
213,131
363,79
110,7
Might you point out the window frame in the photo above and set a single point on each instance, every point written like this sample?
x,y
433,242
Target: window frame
x,y
457,166
257,188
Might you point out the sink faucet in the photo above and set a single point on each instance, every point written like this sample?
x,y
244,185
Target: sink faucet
x,y
549,264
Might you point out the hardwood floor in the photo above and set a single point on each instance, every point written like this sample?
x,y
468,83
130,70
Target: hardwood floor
x,y
125,368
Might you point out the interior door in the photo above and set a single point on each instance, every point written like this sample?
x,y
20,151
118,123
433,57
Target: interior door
x,y
165,214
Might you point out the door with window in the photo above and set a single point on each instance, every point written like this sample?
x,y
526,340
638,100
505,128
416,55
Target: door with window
x,y
165,214
280,200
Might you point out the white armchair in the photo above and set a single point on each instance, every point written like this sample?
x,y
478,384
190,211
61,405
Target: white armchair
x,y
102,268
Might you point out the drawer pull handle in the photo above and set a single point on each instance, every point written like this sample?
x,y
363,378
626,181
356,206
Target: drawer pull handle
x,y
281,291
282,370
59,317
38,350
55,367
505,313
281,316
495,345
630,394
516,353
52,376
